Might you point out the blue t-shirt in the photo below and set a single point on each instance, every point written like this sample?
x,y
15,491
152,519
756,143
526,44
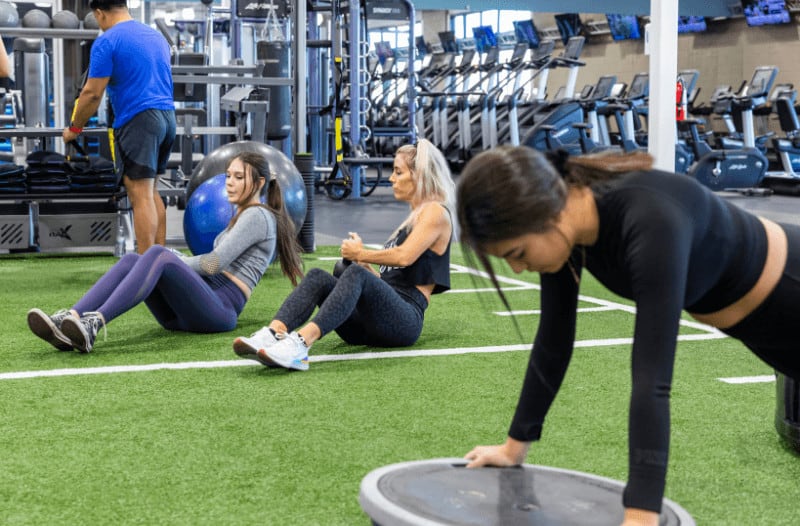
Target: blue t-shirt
x,y
136,59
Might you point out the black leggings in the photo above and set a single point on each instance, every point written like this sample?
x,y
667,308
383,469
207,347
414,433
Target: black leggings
x,y
359,306
771,331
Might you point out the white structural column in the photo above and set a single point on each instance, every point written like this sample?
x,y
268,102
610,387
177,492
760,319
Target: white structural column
x,y
663,45
300,59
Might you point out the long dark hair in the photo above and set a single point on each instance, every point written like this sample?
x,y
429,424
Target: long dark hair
x,y
514,190
511,191
256,167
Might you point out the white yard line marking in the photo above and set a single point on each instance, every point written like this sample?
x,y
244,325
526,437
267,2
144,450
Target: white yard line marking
x,y
537,311
413,353
121,369
516,283
749,379
603,305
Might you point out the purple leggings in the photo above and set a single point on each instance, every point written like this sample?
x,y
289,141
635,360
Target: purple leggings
x,y
179,298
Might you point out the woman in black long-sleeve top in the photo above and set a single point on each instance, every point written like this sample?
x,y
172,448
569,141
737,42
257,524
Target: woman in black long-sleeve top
x,y
659,239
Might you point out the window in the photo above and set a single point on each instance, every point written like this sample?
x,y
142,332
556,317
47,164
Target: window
x,y
396,36
502,21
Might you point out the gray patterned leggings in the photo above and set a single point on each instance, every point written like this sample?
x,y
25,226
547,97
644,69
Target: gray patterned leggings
x,y
359,306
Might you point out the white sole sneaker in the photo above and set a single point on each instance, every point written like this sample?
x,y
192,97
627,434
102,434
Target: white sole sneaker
x,y
288,353
248,349
296,364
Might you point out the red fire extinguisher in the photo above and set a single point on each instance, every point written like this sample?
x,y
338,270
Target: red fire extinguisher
x,y
680,101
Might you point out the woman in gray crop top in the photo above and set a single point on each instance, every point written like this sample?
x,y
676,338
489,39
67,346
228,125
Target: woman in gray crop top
x,y
659,239
363,305
202,293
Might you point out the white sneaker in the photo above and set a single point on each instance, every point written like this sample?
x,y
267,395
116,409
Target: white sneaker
x,y
290,352
249,347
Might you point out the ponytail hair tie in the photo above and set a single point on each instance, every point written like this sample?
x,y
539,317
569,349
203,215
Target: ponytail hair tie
x,y
558,158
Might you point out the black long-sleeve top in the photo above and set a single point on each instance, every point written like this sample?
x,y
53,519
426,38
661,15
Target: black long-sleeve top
x,y
668,244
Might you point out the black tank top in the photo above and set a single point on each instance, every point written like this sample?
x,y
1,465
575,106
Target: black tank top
x,y
429,268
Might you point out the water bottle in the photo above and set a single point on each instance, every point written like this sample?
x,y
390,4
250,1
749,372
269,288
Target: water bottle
x,y
119,245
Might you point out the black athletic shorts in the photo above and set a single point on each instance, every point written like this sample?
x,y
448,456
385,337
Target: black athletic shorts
x,y
144,143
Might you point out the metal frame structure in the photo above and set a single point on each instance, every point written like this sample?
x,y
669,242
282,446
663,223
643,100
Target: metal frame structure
x,y
346,18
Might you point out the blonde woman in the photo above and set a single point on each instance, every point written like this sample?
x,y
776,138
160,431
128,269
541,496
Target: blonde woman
x,y
366,306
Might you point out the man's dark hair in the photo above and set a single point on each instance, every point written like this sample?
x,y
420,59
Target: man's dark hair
x,y
106,5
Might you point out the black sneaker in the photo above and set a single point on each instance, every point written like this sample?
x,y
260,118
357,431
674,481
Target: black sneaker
x,y
48,328
83,332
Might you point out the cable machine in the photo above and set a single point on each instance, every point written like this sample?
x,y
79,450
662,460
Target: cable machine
x,y
349,101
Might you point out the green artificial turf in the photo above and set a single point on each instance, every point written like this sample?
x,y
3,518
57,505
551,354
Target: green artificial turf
x,y
249,445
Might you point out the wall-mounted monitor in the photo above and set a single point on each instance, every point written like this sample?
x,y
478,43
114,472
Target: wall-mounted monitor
x,y
526,33
484,38
624,27
765,12
569,25
691,24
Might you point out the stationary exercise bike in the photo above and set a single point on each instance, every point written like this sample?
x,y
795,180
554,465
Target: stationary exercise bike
x,y
745,167
787,181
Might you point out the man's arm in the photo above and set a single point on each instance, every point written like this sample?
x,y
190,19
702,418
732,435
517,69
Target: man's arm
x,y
86,106
5,66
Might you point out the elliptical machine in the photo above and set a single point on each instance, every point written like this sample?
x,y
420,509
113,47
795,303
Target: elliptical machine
x,y
787,181
562,113
745,167
788,147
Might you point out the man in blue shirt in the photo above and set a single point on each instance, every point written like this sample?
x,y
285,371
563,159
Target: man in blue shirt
x,y
132,62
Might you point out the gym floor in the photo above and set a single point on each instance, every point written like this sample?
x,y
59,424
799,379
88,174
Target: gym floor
x,y
158,427
782,209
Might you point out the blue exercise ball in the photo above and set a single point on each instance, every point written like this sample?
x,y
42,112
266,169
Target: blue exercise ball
x,y
291,182
207,213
